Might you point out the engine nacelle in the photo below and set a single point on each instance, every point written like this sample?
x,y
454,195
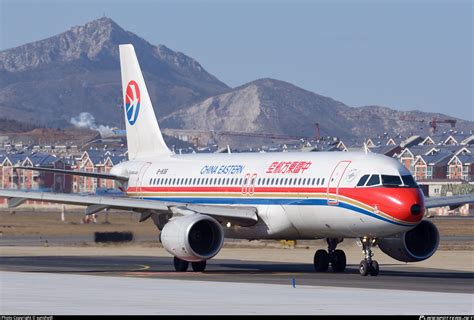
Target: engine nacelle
x,y
193,238
418,244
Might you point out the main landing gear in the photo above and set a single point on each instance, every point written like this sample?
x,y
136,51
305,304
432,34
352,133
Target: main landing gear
x,y
368,266
182,265
337,258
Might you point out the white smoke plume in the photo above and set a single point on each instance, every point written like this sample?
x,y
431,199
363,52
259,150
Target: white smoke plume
x,y
86,120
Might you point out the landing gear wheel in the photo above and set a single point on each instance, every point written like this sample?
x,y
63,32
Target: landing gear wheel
x,y
374,268
199,266
321,261
364,268
338,263
180,265
368,265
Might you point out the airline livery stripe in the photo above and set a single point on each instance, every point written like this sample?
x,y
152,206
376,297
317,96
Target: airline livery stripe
x,y
258,201
270,199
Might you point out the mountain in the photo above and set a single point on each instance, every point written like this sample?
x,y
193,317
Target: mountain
x,y
49,82
280,108
52,80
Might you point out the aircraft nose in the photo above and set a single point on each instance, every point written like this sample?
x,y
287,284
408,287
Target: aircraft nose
x,y
415,208
407,205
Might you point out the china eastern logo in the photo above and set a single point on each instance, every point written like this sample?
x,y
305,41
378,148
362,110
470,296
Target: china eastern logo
x,y
132,102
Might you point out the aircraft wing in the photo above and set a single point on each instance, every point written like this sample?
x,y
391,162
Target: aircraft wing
x,y
77,173
244,216
451,201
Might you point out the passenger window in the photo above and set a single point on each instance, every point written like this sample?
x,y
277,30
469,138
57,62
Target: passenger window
x,y
363,180
374,180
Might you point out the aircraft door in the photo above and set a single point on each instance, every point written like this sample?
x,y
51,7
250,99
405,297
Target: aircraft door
x,y
334,180
253,180
245,184
141,178
248,184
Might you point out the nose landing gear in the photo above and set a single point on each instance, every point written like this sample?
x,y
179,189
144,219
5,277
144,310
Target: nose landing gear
x,y
368,266
337,258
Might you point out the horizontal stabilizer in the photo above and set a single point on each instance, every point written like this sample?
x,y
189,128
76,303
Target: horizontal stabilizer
x,y
451,201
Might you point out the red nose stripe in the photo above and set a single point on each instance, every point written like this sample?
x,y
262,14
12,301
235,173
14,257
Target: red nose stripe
x,y
396,202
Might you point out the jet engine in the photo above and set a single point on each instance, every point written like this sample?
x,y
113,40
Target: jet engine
x,y
418,244
193,238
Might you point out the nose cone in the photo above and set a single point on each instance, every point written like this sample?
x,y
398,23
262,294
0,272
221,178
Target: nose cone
x,y
412,205
404,204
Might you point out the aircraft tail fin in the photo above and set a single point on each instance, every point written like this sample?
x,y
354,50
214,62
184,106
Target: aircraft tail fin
x,y
144,137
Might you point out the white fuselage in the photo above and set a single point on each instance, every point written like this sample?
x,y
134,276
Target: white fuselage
x,y
298,195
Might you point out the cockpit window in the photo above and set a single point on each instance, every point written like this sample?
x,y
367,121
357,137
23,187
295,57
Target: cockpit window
x,y
374,180
362,180
409,181
391,180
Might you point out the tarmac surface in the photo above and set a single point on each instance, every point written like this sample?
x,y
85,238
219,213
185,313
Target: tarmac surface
x,y
392,276
27,293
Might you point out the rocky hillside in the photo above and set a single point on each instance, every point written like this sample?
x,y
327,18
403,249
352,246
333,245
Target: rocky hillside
x,y
52,80
49,82
278,107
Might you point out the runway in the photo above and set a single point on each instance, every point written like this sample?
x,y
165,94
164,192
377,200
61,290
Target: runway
x,y
394,277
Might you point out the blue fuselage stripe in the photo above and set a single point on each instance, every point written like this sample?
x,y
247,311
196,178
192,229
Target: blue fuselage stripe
x,y
288,202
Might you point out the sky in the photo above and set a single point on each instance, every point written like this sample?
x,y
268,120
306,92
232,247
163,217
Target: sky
x,y
405,54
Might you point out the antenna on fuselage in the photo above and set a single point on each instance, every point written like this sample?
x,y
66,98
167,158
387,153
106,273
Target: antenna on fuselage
x,y
366,149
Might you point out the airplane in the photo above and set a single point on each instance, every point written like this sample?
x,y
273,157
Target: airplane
x,y
197,200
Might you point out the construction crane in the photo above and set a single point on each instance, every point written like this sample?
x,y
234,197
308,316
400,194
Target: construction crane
x,y
258,135
269,135
434,123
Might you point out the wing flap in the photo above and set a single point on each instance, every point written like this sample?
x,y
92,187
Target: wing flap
x,y
85,200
